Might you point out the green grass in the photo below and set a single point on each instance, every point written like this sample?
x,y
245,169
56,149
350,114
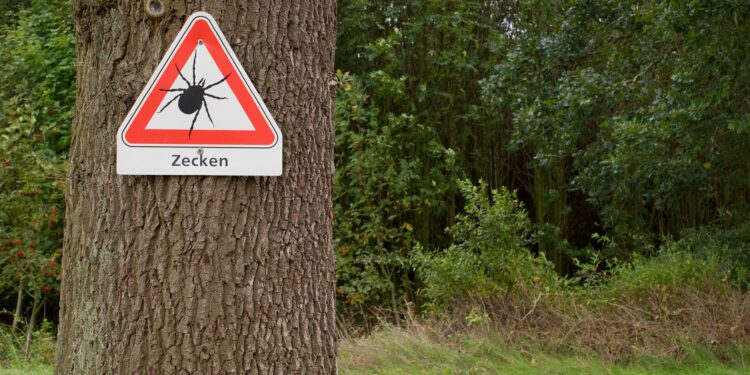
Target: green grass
x,y
13,360
395,351
28,370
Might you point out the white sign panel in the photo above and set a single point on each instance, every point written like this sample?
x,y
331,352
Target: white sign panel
x,y
199,114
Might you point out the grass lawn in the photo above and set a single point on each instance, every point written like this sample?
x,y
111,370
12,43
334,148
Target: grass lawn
x,y
395,351
28,370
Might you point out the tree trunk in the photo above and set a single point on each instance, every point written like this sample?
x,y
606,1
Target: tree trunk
x,y
201,275
37,307
19,306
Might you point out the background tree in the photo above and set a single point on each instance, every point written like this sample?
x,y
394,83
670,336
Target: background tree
x,y
640,108
34,139
207,275
409,124
620,124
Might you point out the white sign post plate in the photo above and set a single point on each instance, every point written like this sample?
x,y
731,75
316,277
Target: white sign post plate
x,y
199,114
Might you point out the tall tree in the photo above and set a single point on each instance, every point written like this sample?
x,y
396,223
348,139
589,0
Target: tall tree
x,y
204,275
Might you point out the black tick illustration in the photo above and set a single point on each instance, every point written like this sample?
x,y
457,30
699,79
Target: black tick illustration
x,y
193,98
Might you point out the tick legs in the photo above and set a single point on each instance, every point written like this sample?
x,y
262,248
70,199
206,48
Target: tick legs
x,y
213,96
170,102
193,124
208,113
195,57
181,76
220,81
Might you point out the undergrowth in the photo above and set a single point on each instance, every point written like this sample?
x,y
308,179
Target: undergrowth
x,y
420,349
661,305
41,356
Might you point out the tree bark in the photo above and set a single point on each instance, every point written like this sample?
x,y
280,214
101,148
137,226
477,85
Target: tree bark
x,y
201,275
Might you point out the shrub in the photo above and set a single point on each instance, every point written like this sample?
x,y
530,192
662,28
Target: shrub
x,y
383,198
41,351
666,279
37,92
663,305
728,242
489,256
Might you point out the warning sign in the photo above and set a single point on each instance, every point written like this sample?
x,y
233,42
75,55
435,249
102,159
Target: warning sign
x,y
199,114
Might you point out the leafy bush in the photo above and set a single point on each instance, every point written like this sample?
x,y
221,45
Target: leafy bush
x,y
727,242
41,351
640,107
624,120
665,277
382,193
489,256
37,89
408,124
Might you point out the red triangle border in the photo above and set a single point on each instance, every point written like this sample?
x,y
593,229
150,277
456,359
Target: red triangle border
x,y
135,133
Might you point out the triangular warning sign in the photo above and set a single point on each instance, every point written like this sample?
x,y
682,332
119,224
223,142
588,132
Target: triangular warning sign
x,y
201,110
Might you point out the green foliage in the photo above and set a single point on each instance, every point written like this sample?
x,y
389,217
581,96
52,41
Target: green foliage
x,y
640,106
383,191
667,277
37,89
408,125
727,242
42,351
434,52
488,257
477,317
619,124
9,8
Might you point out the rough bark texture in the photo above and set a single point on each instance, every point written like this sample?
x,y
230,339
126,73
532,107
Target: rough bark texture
x,y
201,275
